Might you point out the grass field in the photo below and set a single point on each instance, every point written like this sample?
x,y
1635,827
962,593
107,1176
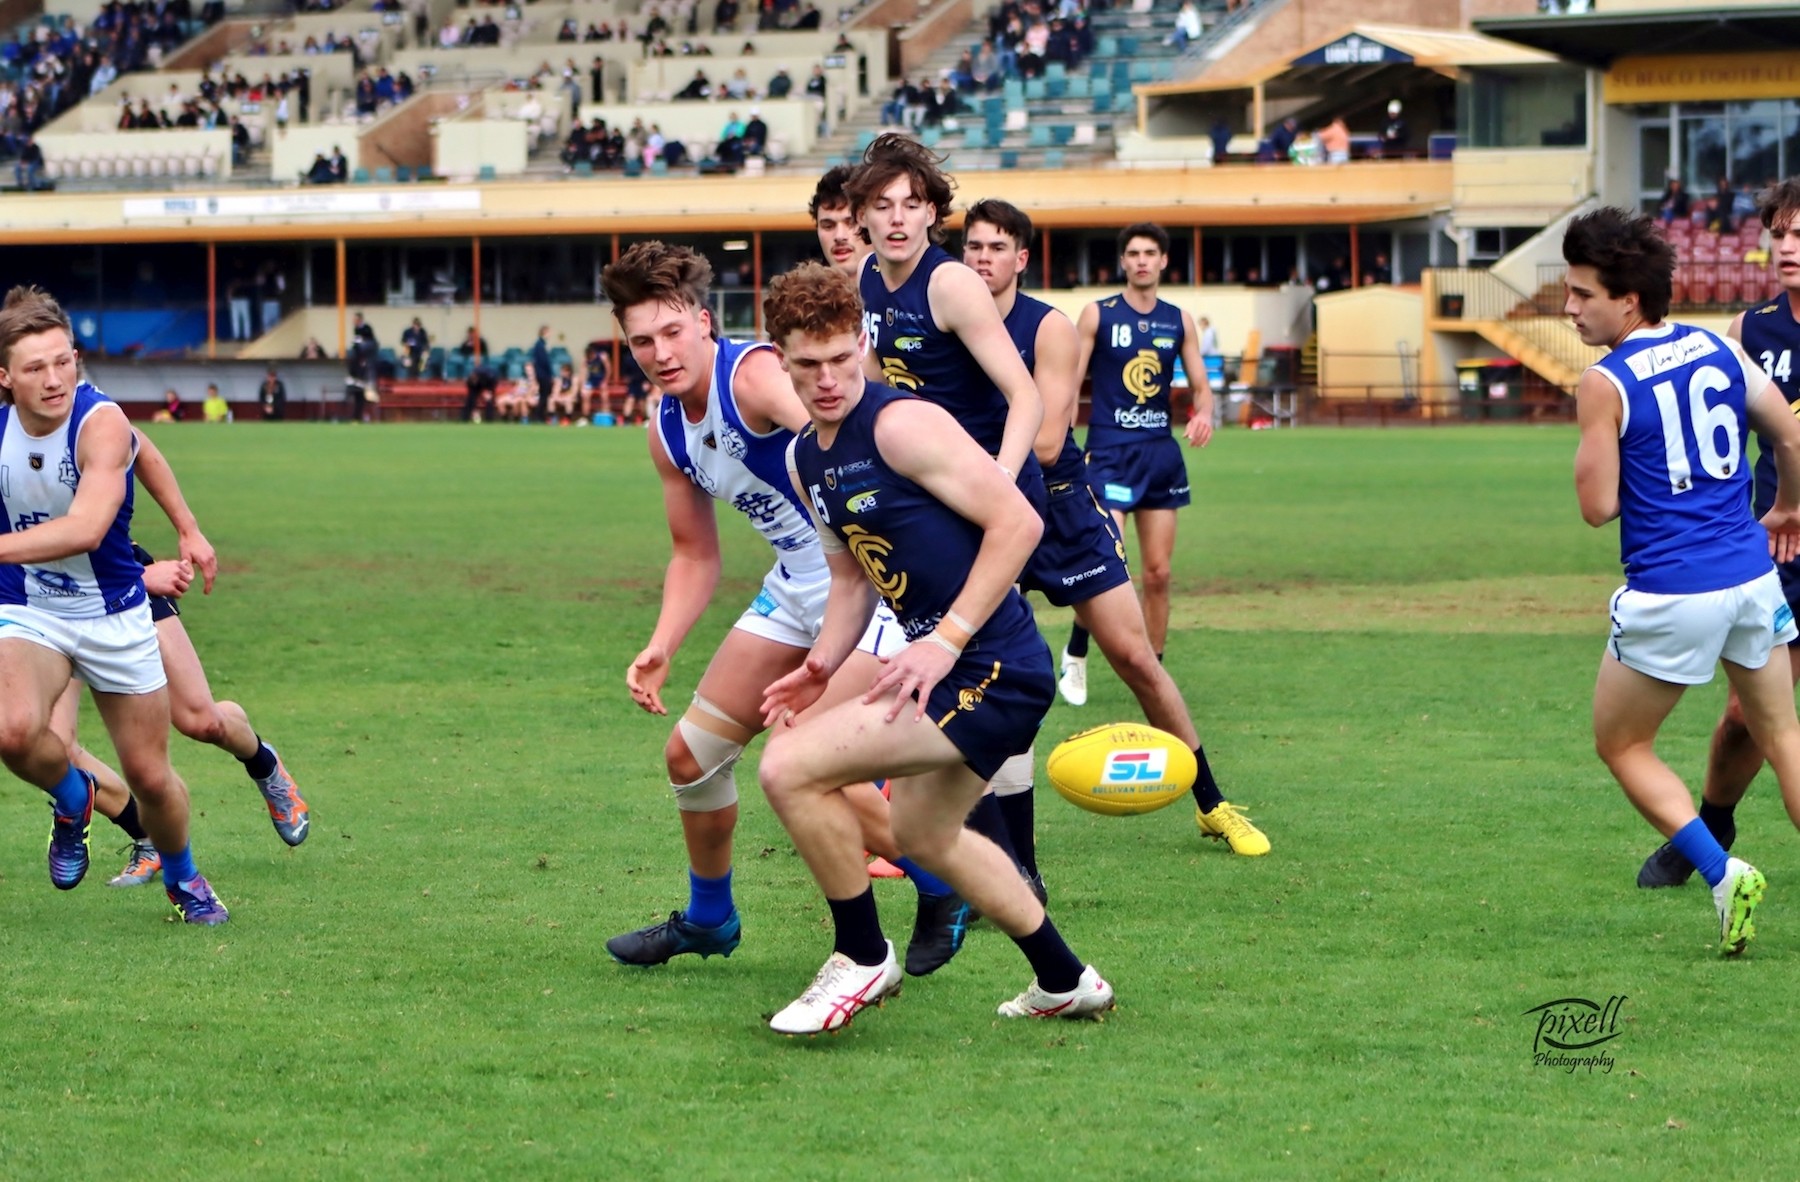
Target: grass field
x,y
1388,640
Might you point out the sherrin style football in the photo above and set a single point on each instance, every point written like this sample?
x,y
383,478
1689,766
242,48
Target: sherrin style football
x,y
1121,769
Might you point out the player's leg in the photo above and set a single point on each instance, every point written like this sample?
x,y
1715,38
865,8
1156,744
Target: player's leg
x,y
1732,761
121,662
112,799
225,725
33,676
700,755
139,726
1629,708
1156,553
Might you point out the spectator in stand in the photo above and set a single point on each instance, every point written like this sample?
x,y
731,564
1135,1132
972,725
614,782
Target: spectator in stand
x,y
1281,140
599,370
987,73
543,371
1209,338
1674,205
514,399
360,375
1187,26
756,134
1724,200
781,85
320,172
1382,271
737,87
214,409
271,284
567,398
1393,132
172,411
340,167
29,170
815,85
415,345
1221,139
312,350
237,301
1334,139
725,15
272,395
697,88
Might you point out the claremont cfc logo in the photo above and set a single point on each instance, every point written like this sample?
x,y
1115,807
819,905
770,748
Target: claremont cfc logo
x,y
1570,1031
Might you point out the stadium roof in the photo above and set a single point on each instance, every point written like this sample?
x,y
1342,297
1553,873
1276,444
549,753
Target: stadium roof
x,y
1359,52
1597,39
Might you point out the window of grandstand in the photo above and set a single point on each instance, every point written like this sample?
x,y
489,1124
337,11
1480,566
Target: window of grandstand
x,y
1523,107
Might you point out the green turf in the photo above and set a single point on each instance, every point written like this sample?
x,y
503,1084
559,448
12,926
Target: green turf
x,y
1388,639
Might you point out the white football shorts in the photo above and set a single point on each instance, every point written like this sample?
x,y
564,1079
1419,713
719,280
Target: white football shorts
x,y
1681,638
791,612
115,654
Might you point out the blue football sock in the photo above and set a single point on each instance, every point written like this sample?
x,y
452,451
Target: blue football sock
x,y
926,882
71,793
709,900
1697,844
178,867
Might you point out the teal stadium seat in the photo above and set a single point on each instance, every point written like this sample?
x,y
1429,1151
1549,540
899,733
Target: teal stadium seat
x,y
1128,47
403,174
1009,160
1035,90
1105,47
1053,159
659,167
1061,133
931,136
584,168
384,176
1124,101
1038,136
424,173
359,176
1079,85
487,173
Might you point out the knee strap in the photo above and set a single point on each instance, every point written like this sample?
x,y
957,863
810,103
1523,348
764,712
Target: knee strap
x,y
715,740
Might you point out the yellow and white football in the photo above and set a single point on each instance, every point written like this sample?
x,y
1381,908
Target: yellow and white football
x,y
1121,769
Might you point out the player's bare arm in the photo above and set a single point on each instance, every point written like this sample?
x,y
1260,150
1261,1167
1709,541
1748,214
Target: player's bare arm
x,y
104,454
962,304
1058,381
1200,416
1599,412
852,598
1087,327
916,441
158,479
688,581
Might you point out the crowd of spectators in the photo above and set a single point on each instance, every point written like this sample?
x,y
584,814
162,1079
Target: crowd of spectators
x,y
605,147
60,62
1721,211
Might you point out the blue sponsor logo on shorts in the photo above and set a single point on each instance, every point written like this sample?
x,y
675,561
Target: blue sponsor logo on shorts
x,y
1784,615
763,604
1118,492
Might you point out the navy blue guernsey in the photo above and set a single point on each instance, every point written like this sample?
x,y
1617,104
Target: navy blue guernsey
x,y
1070,468
1131,365
1771,336
915,550
918,357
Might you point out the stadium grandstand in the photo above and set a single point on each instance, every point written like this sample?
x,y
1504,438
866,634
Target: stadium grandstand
x,y
1365,196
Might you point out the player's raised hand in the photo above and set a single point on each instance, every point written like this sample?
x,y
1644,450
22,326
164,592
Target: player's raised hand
x,y
649,669
915,669
196,549
1784,533
790,695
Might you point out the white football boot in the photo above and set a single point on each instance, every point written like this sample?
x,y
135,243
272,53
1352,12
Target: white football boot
x,y
1091,995
1073,682
842,990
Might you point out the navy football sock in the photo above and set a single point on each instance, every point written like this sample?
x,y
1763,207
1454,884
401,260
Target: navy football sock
x,y
987,820
1020,814
1078,642
858,928
1206,789
1058,970
128,820
262,764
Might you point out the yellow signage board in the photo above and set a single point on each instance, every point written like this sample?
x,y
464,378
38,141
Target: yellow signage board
x,y
1703,77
